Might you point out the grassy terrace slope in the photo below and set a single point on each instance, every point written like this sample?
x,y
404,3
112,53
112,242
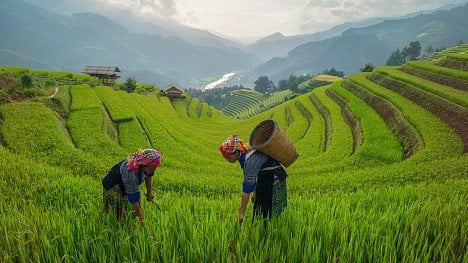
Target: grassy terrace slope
x,y
382,175
247,103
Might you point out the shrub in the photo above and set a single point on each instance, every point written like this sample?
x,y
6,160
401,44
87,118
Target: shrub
x,y
26,80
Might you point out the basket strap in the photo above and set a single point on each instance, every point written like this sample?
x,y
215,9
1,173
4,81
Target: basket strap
x,y
270,168
247,156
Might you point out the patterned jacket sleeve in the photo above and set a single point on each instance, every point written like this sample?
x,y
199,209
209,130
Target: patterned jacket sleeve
x,y
252,167
132,185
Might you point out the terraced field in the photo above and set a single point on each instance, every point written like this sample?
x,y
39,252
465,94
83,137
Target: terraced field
x,y
248,103
446,53
382,174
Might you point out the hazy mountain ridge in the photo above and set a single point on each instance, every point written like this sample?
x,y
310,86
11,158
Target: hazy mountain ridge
x,y
11,58
137,23
161,52
356,46
69,43
279,45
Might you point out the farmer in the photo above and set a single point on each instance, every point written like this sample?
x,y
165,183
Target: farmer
x,y
264,178
123,181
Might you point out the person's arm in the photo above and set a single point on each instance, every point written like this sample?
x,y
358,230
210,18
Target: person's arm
x,y
131,184
244,202
149,188
136,209
251,169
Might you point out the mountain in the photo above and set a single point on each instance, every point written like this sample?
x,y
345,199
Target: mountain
x,y
439,29
136,22
356,46
11,58
278,45
72,42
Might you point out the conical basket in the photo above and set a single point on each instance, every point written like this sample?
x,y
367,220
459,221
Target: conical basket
x,y
268,138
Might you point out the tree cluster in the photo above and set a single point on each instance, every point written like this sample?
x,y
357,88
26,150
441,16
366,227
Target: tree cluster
x,y
410,52
264,85
129,85
292,83
217,97
334,72
368,67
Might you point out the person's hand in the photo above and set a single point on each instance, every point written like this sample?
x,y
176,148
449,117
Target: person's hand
x,y
252,198
149,196
240,217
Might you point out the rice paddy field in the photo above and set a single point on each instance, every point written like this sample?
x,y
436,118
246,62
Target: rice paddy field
x,y
382,174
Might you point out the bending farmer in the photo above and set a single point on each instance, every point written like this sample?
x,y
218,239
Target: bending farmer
x,y
263,176
123,181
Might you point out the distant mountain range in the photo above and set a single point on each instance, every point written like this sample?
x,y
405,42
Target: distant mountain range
x,y
72,42
355,47
278,45
51,35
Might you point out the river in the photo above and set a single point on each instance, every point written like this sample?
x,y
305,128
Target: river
x,y
213,84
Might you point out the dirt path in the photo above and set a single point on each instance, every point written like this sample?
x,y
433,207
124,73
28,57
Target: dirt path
x,y
53,94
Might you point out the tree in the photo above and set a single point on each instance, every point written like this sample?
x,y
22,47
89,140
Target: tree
x,y
292,83
263,85
410,52
428,51
413,51
26,80
283,84
333,72
368,67
130,84
397,58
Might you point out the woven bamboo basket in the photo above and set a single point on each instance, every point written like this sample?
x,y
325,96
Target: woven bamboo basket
x,y
268,138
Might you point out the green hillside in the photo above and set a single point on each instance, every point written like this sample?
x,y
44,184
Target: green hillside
x,y
382,174
448,52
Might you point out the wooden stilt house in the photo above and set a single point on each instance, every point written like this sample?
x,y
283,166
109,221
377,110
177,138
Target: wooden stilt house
x,y
105,73
173,92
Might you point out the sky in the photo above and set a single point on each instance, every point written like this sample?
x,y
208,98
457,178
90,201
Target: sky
x,y
251,18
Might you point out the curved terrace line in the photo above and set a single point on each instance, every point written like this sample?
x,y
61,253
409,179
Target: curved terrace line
x,y
352,122
407,135
436,77
326,116
307,115
452,114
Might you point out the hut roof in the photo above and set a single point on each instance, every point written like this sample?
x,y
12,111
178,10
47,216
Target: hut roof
x,y
173,88
100,70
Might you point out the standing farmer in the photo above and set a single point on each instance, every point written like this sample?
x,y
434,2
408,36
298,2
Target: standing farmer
x,y
123,181
264,178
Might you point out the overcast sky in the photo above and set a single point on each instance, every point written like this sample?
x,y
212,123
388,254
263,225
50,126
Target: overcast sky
x,y
248,18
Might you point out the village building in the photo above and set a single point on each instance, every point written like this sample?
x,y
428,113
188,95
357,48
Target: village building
x,y
106,74
173,92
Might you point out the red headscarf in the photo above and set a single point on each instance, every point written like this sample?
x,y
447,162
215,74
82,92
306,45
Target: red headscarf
x,y
232,144
148,157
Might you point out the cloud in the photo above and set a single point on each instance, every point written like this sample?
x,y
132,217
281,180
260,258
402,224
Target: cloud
x,y
190,18
320,14
168,7
263,17
160,8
